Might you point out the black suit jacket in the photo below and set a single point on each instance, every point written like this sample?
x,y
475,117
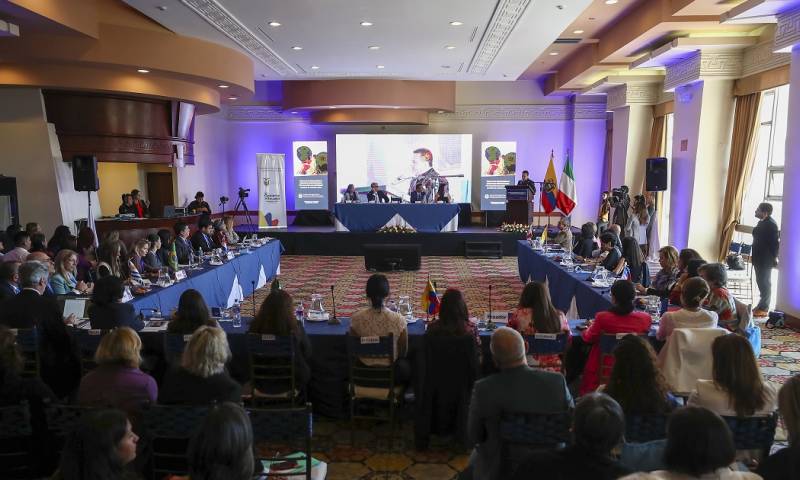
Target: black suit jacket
x,y
418,197
766,239
528,183
382,197
183,249
6,291
202,241
106,317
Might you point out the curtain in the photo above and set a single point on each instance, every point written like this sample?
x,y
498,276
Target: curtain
x,y
606,185
740,166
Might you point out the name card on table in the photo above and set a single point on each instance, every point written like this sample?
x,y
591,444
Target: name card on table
x,y
180,275
267,338
127,296
230,256
497,317
545,336
370,340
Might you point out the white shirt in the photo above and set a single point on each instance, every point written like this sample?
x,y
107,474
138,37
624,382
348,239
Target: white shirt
x,y
707,394
685,319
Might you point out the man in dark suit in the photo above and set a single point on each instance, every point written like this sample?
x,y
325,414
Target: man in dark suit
x,y
183,248
9,279
376,195
527,182
45,260
515,389
418,195
766,240
60,365
202,237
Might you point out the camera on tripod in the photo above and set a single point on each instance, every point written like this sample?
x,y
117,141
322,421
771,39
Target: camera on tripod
x,y
224,199
620,198
244,192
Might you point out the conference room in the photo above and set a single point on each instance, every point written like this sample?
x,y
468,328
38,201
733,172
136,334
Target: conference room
x,y
495,239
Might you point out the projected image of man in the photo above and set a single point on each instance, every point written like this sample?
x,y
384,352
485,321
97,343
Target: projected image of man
x,y
434,185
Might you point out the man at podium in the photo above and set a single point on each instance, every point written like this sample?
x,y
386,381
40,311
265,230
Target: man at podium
x,y
527,182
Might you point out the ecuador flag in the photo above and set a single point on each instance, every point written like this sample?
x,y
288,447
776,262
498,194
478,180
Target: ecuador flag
x,y
430,302
549,187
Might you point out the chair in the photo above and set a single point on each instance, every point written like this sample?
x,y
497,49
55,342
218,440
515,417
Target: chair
x,y
371,383
272,365
608,342
620,267
686,357
88,341
547,344
520,433
169,429
16,436
28,342
285,425
61,420
753,433
645,428
174,345
740,282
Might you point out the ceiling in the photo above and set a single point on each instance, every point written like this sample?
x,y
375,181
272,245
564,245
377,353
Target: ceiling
x,y
498,40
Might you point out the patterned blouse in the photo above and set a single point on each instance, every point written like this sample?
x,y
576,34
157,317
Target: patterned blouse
x,y
523,323
721,301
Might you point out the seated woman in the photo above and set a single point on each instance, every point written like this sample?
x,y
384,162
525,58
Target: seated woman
x,y
693,293
64,281
117,380
785,463
136,261
586,242
107,310
152,261
737,387
620,318
636,383
665,279
100,446
377,320
350,195
609,255
165,250
720,300
564,235
685,257
699,446
220,236
230,233
112,261
87,255
536,314
454,318
201,377
276,317
192,314
632,253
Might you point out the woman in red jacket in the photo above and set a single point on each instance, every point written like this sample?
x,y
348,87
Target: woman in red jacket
x,y
620,318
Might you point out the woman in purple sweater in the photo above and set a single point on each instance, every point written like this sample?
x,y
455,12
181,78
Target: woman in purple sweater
x,y
117,381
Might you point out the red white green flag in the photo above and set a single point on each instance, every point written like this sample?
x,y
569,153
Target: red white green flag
x,y
567,196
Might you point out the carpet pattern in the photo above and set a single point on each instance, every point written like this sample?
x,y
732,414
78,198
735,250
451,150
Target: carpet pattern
x,y
377,451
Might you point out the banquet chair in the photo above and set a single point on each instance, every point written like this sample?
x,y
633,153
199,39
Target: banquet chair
x,y
547,344
28,342
168,429
372,384
608,342
522,433
620,267
272,371
88,341
753,433
61,420
292,426
16,436
645,428
174,345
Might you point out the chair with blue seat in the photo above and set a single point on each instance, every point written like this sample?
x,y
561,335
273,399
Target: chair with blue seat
x,y
174,345
272,369
88,341
547,344
285,426
61,420
645,428
16,436
372,383
753,433
28,342
169,430
522,433
608,342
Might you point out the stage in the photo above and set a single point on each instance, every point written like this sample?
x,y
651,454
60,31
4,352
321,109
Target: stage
x,y
320,240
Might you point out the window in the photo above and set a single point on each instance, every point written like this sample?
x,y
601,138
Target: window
x,y
766,182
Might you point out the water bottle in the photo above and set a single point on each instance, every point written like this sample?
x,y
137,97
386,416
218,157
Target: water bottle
x,y
191,258
236,314
300,313
199,256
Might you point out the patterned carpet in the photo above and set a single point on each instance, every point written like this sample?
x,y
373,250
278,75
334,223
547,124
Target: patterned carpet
x,y
379,453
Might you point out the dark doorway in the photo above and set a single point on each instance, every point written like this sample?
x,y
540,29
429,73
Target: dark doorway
x,y
159,191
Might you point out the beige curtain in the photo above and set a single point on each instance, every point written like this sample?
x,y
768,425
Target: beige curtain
x,y
740,167
658,148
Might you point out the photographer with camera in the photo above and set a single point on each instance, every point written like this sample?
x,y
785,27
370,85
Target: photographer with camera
x,y
199,205
604,212
621,202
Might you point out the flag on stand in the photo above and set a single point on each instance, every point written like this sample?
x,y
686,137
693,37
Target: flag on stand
x,y
567,197
543,239
430,301
549,187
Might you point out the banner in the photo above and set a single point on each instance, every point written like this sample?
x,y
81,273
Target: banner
x,y
271,191
498,166
310,175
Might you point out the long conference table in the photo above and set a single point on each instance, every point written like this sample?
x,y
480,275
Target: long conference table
x,y
371,217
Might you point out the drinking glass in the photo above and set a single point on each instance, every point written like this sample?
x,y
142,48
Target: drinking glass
x,y
404,306
316,303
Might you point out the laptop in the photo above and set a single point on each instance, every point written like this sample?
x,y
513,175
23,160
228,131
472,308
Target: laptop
x,y
77,307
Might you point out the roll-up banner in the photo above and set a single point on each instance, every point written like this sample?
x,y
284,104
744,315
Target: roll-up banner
x,y
498,167
310,175
271,191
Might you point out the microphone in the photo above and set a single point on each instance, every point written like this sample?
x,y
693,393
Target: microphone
x,y
490,323
333,320
253,282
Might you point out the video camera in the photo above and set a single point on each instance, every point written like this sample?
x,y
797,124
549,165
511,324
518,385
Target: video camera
x,y
224,199
620,198
244,192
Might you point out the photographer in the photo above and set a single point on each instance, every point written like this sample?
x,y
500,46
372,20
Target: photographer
x,y
621,202
199,205
603,213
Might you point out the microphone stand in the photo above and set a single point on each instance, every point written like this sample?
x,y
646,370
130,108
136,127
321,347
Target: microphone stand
x,y
334,320
253,283
489,323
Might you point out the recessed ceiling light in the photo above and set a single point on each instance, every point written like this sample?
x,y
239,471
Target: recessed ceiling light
x,y
163,8
274,24
449,47
380,67
297,48
293,113
314,67
456,23
366,24
611,2
222,86
233,97
143,70
577,32
554,53
445,66
331,107
374,47
440,111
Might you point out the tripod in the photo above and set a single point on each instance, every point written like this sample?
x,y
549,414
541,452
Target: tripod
x,y
241,204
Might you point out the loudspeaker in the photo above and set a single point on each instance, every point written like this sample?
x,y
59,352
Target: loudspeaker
x,y
84,173
656,174
388,257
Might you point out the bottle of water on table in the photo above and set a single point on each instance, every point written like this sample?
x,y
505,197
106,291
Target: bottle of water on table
x,y
300,313
236,314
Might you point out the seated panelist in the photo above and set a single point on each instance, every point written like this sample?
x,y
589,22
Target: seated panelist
x,y
350,195
375,195
419,195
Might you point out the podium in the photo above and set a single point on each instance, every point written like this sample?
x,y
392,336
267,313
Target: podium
x,y
519,204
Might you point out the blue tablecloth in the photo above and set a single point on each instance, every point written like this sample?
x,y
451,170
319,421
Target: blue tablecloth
x,y
219,285
564,286
369,217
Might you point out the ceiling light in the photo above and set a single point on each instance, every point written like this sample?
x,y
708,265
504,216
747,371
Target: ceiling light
x,y
293,113
274,24
440,111
314,67
380,67
554,53
374,47
163,8
396,108
297,48
222,86
233,97
611,2
456,23
449,47
445,66
331,107
577,32
143,70
366,24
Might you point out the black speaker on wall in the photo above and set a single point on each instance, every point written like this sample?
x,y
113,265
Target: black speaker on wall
x,y
84,173
656,174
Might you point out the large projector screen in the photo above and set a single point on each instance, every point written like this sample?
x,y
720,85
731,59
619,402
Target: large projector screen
x,y
393,160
